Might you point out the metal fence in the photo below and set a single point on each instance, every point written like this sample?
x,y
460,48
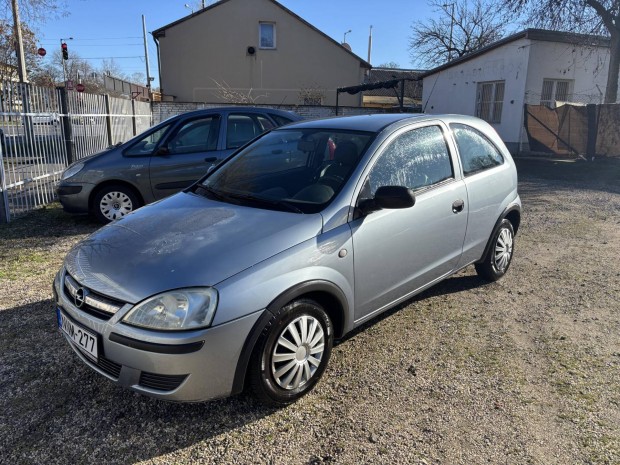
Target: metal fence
x,y
43,130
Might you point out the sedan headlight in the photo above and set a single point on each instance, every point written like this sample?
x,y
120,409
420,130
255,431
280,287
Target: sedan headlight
x,y
72,171
175,310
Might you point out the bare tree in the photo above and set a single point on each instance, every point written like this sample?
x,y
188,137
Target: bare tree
x,y
230,95
585,16
461,28
389,64
8,59
34,11
311,95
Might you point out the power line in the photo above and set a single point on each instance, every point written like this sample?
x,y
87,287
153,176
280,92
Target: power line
x,y
99,45
105,58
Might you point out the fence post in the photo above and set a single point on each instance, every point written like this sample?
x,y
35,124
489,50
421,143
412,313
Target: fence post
x,y
133,117
4,198
67,127
592,131
108,119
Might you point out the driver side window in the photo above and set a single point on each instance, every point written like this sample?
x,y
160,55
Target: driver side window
x,y
147,144
416,159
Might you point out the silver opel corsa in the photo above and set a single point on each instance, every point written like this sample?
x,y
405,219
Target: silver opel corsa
x,y
246,277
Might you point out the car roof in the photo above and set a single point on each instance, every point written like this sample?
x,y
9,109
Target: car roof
x,y
261,110
370,123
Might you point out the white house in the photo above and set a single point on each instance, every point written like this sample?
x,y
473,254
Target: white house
x,y
530,67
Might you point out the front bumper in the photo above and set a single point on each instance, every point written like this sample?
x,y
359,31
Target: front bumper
x,y
74,197
189,366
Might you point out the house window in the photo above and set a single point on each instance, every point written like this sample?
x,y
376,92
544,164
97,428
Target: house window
x,y
489,101
267,35
554,90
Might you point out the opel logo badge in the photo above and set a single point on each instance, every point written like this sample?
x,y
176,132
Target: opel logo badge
x,y
80,297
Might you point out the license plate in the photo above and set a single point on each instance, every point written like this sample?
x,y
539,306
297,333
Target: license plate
x,y
81,337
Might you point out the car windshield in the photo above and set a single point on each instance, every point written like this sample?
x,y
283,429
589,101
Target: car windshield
x,y
298,170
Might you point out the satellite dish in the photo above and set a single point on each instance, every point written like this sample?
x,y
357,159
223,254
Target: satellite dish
x,y
347,46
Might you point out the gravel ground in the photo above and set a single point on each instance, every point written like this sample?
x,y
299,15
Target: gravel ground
x,y
523,371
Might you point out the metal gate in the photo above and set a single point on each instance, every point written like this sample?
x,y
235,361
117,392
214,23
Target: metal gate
x,y
32,149
43,130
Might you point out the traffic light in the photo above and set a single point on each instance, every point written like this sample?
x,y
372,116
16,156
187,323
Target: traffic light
x,y
65,51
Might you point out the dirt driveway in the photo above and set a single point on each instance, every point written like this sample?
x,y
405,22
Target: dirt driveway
x,y
524,371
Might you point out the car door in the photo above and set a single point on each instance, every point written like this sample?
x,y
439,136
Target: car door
x,y
186,155
397,252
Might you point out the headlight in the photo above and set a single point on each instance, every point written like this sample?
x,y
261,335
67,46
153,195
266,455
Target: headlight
x,y
72,171
175,310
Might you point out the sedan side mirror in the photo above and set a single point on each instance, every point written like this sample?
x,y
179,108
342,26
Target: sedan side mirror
x,y
161,151
389,198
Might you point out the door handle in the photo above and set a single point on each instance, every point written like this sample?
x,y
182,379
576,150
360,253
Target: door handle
x,y
458,206
211,159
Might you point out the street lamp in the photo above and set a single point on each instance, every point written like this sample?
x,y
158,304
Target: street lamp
x,y
62,60
187,5
446,5
344,40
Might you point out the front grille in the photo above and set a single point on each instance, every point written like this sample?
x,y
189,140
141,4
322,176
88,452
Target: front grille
x,y
161,382
94,304
108,366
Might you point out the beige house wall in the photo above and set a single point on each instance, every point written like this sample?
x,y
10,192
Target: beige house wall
x,y
211,48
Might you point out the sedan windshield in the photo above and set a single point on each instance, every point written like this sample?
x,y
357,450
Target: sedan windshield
x,y
298,170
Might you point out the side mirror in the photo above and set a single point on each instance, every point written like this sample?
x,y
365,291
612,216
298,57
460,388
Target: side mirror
x,y
161,151
394,197
389,198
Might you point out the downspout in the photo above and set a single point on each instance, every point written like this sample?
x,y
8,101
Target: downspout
x,y
161,86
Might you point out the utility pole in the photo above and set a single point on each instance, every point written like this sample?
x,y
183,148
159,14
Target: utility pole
x,y
369,43
19,44
451,28
146,57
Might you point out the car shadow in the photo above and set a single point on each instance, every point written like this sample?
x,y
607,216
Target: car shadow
x,y
56,407
602,174
452,285
48,221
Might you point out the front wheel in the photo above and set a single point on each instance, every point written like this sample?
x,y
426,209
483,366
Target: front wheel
x,y
291,353
114,202
495,264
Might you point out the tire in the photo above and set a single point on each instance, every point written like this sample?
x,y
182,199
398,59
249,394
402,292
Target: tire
x,y
282,382
497,260
114,202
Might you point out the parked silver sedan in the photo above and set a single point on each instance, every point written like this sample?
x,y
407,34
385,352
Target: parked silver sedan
x,y
161,161
247,277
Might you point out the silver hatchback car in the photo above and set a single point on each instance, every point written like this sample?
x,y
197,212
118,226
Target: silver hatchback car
x,y
246,277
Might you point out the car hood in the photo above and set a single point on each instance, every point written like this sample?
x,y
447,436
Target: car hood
x,y
183,241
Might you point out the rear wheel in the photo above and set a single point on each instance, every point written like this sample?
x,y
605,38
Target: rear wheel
x,y
114,202
291,353
497,261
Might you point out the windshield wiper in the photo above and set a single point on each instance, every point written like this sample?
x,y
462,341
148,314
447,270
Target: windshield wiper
x,y
265,201
209,192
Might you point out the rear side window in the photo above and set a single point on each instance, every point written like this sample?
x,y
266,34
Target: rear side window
x,y
415,159
476,151
241,129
